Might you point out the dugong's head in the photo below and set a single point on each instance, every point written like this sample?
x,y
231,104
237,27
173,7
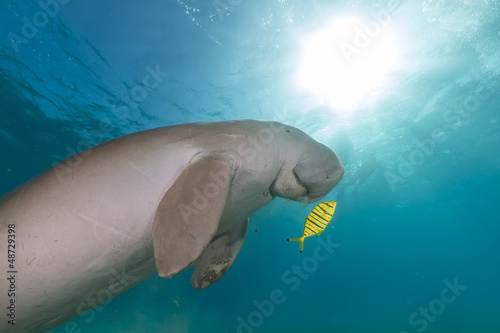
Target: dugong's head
x,y
310,169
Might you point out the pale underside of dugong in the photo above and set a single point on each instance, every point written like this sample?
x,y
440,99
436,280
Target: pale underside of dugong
x,y
160,200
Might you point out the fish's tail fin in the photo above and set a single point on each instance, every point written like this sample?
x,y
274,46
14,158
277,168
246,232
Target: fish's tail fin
x,y
300,240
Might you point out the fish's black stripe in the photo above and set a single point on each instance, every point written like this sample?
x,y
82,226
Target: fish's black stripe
x,y
311,229
320,217
326,211
322,205
323,213
318,214
317,223
318,226
327,203
308,228
309,232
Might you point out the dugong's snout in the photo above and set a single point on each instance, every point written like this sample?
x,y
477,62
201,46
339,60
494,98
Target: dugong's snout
x,y
319,171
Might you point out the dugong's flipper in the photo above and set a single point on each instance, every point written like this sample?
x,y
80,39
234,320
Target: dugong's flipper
x,y
218,256
188,215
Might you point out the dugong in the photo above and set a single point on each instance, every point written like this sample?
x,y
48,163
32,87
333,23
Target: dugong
x,y
158,200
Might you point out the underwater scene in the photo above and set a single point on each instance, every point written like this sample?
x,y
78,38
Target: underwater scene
x,y
405,92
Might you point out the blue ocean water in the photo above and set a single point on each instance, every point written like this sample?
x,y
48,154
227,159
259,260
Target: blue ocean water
x,y
411,106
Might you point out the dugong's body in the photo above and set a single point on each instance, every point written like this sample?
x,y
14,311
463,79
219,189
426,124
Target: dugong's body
x,y
160,200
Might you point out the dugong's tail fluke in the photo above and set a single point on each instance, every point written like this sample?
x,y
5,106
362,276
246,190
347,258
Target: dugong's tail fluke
x,y
300,240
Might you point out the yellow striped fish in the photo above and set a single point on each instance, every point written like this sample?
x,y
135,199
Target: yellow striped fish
x,y
316,221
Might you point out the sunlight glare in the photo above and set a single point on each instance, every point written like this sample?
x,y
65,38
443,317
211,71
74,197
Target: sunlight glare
x,y
348,64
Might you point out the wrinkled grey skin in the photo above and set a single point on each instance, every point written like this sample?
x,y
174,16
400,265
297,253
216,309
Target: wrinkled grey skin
x,y
159,200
